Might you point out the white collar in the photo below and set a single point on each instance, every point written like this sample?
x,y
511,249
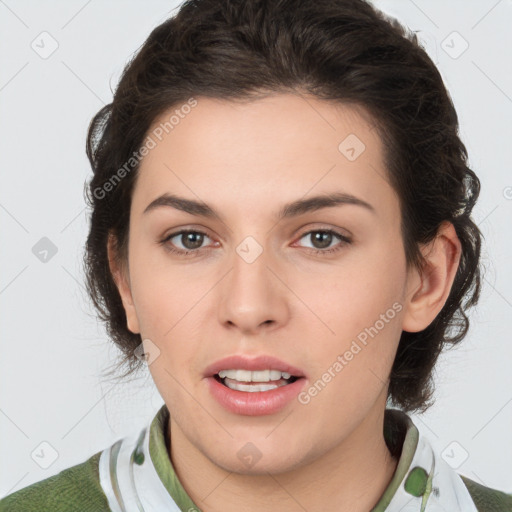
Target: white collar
x,y
131,482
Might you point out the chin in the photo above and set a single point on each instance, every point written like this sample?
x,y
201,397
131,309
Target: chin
x,y
248,460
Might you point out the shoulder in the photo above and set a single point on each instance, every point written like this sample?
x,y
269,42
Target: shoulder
x,y
75,488
487,499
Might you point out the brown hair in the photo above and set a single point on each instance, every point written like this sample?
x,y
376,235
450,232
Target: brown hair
x,y
340,50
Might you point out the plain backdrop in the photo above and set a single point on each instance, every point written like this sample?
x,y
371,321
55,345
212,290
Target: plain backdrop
x,y
59,63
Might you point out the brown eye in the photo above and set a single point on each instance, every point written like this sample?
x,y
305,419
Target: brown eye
x,y
190,241
323,238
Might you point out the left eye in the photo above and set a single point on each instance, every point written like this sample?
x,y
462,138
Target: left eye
x,y
324,237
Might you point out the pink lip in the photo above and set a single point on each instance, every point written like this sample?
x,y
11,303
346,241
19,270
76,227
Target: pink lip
x,y
259,402
256,403
262,362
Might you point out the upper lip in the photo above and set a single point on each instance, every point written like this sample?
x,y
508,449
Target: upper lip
x,y
245,362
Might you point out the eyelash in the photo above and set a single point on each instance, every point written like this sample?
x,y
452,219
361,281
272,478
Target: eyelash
x,y
344,241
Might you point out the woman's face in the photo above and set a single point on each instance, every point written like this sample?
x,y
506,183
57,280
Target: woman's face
x,y
329,306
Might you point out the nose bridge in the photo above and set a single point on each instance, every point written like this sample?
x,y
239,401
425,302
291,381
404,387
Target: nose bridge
x,y
251,294
250,277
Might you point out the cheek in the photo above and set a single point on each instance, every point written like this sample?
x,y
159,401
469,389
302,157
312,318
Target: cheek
x,y
357,292
359,306
163,292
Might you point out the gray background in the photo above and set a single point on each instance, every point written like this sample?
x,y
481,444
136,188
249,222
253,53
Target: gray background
x,y
55,410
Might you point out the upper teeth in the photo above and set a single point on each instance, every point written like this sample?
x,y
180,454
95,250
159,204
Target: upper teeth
x,y
256,376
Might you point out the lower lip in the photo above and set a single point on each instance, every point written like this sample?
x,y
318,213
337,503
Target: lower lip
x,y
255,403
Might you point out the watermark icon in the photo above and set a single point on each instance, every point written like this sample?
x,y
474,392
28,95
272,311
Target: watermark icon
x,y
351,147
148,144
507,192
44,250
249,249
249,454
454,45
147,351
44,45
44,455
304,397
455,454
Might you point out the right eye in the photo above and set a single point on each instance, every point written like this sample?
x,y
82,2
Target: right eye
x,y
191,241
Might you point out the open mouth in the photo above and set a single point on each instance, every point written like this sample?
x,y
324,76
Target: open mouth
x,y
254,387
257,381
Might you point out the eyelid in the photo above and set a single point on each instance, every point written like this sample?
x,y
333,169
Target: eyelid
x,y
187,229
340,231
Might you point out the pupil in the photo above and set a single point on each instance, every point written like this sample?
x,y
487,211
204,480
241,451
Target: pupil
x,y
189,237
319,235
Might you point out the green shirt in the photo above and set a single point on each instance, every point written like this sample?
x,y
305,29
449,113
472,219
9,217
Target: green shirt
x,y
136,474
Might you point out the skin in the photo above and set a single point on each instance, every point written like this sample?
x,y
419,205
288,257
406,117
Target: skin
x,y
246,161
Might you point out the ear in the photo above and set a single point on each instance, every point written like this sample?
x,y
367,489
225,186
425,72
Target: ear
x,y
120,275
428,290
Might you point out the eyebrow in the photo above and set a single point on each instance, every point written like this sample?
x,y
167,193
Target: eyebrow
x,y
293,209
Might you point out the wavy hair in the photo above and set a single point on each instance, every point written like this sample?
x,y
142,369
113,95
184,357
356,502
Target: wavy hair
x,y
345,51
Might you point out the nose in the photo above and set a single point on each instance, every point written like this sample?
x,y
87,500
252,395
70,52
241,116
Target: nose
x,y
253,296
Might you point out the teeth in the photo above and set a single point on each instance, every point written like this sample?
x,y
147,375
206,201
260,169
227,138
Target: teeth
x,y
256,376
242,375
250,387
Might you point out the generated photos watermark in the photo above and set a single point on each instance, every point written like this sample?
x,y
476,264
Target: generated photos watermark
x,y
342,360
150,142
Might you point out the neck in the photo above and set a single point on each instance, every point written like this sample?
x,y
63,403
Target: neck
x,y
351,476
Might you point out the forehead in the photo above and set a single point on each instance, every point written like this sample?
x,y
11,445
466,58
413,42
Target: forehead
x,y
270,150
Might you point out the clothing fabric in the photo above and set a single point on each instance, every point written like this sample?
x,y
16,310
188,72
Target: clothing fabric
x,y
136,474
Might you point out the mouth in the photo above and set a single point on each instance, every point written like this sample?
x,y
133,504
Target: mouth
x,y
249,371
251,386
254,381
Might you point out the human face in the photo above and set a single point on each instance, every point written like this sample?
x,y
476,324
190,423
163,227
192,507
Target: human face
x,y
253,286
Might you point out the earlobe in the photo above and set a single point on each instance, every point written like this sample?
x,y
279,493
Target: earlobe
x,y
430,288
122,281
